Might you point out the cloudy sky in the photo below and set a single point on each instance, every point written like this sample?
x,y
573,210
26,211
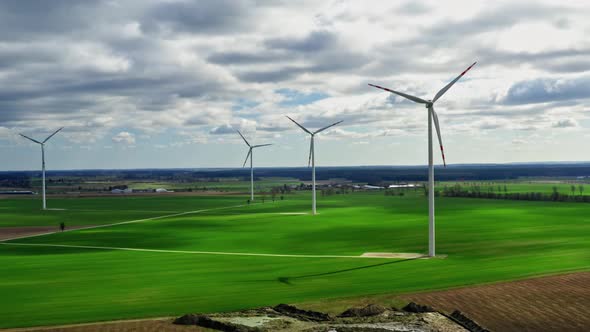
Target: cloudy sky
x,y
144,83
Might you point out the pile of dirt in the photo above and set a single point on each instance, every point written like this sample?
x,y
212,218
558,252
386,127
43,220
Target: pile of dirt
x,y
295,312
417,308
287,318
367,311
204,321
467,322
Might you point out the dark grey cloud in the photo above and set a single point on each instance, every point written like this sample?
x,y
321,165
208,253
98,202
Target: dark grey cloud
x,y
568,60
314,42
319,52
547,90
198,17
339,60
567,65
16,55
34,19
276,75
247,58
180,84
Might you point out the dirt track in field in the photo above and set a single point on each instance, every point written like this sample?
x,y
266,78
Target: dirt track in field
x,y
555,303
17,232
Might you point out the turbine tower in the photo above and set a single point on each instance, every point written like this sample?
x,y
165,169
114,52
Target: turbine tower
x,y
311,159
43,159
432,116
249,155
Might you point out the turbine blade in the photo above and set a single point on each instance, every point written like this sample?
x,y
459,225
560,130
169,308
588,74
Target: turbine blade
x,y
448,86
260,145
248,144
34,140
442,151
50,136
300,126
310,149
247,156
410,97
326,127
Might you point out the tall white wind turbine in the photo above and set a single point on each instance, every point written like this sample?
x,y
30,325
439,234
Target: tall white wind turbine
x,y
311,159
250,155
431,116
43,159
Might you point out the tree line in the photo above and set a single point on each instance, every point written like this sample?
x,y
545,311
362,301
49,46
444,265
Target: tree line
x,y
577,194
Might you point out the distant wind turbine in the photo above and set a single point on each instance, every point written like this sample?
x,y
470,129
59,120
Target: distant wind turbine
x,y
43,159
431,116
249,155
312,159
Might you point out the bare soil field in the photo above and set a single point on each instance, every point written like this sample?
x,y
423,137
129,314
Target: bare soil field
x,y
17,232
554,303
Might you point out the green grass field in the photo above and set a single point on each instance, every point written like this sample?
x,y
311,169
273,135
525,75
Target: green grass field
x,y
99,211
485,240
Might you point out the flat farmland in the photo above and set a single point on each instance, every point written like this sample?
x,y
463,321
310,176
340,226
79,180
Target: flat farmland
x,y
219,254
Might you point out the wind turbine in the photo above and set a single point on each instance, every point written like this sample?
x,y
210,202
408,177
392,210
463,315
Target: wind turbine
x,y
312,159
249,155
43,159
431,116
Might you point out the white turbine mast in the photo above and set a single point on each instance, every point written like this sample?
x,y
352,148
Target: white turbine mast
x,y
432,116
250,155
311,160
43,160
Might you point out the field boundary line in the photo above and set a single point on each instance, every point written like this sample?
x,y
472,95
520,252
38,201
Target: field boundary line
x,y
190,251
123,222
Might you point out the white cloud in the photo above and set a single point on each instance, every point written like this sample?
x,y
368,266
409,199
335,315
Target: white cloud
x,y
125,138
152,69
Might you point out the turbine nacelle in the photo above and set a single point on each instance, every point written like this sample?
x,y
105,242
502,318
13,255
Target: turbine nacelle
x,y
250,147
312,134
311,160
249,156
432,118
45,140
42,144
429,104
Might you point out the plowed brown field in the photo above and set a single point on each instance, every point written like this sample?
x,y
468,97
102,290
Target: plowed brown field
x,y
555,303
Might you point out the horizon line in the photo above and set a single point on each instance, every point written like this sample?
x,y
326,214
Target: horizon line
x,y
303,166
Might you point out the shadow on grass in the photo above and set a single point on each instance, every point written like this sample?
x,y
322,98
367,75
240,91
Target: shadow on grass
x,y
287,280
